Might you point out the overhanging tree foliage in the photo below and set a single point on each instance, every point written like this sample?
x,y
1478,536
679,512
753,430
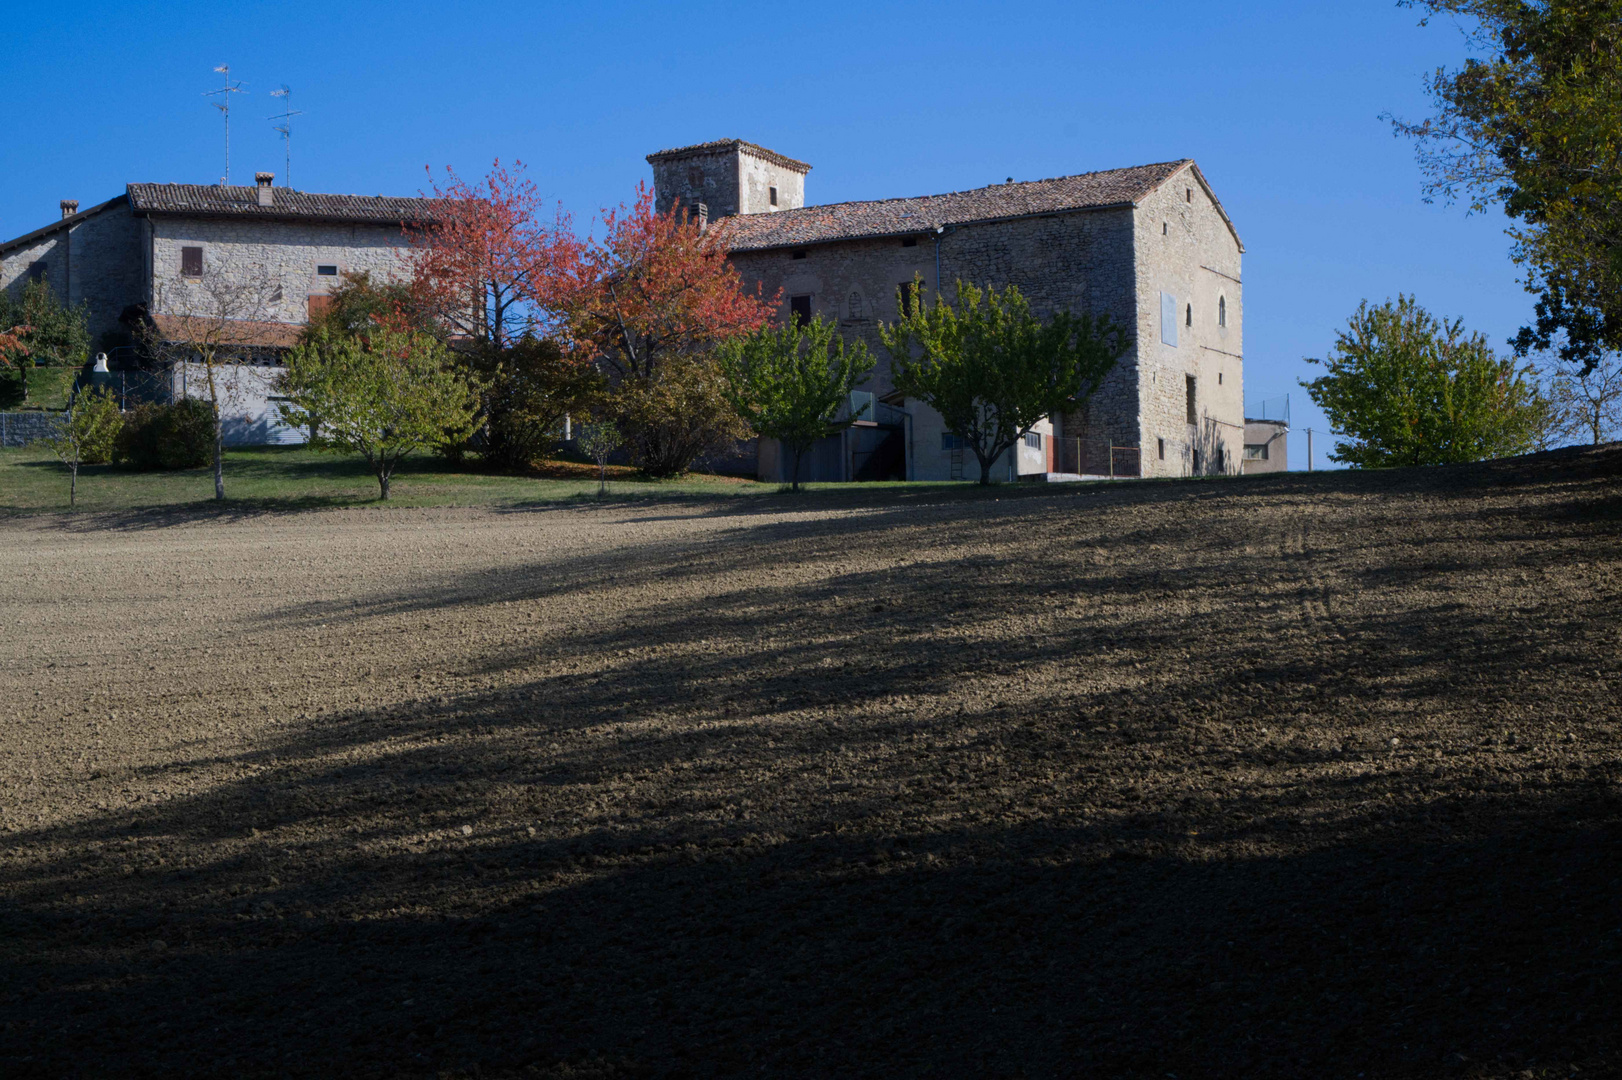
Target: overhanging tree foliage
x,y
1406,388
789,382
992,368
1535,124
384,396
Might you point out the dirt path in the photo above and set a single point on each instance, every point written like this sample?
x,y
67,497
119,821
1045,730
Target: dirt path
x,y
1307,776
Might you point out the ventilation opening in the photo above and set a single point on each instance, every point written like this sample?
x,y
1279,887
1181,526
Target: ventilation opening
x,y
910,242
1188,316
1160,447
799,254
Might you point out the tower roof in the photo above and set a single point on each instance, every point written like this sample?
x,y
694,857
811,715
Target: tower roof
x,y
728,146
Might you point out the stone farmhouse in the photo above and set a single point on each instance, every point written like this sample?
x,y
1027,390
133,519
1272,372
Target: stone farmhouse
x,y
262,258
1150,246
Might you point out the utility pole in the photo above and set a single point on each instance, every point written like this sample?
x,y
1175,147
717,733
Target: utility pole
x,y
1309,449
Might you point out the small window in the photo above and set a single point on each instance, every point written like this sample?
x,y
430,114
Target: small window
x,y
1160,448
1193,413
798,253
1165,228
1188,319
952,442
1219,378
37,270
326,270
1255,451
906,293
1033,439
911,241
800,309
773,192
191,262
1222,311
1188,194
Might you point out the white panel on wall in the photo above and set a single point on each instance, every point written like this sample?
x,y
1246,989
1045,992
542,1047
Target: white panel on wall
x,y
1168,318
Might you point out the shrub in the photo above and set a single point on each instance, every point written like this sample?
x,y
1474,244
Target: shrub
x,y
177,436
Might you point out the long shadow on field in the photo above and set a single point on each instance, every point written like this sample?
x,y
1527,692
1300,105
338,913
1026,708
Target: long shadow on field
x,y
864,826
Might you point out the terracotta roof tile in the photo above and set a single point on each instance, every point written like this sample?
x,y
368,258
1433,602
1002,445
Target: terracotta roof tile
x,y
243,332
721,146
891,217
238,201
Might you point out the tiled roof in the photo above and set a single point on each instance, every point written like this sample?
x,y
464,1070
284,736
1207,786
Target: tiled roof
x,y
892,217
212,200
723,146
243,332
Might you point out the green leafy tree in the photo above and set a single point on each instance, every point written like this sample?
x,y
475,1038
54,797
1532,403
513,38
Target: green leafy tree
x,y
385,396
789,382
1533,123
676,414
85,434
530,386
1405,388
40,331
597,440
992,368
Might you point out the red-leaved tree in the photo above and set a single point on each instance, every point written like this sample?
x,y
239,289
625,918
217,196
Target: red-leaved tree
x,y
493,263
654,296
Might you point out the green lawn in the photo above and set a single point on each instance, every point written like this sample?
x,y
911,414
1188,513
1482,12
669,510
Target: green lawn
x,y
293,477
47,388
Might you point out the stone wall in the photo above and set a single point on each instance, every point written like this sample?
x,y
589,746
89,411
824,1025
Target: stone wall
x,y
22,428
98,261
281,255
727,182
1078,262
1186,250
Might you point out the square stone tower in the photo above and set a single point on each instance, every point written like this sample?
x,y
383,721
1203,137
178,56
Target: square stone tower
x,y
728,176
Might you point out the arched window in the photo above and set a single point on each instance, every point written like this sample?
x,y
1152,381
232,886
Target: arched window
x,y
1222,311
1188,316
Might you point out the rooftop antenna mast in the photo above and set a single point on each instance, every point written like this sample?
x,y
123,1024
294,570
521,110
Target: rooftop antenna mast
x,y
224,105
286,129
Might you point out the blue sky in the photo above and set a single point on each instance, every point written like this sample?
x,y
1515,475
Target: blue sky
x,y
1279,103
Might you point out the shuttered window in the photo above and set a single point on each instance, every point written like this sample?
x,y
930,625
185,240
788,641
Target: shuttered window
x,y
1168,319
191,262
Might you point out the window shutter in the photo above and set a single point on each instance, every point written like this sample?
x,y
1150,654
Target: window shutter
x,y
1168,319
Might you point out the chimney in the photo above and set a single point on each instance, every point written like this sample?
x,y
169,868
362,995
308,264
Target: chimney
x,y
702,212
69,207
263,179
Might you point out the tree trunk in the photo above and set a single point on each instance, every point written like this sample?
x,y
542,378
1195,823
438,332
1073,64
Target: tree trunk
x,y
383,484
799,452
73,483
219,455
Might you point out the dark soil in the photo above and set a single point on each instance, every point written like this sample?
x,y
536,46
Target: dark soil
x,y
1298,776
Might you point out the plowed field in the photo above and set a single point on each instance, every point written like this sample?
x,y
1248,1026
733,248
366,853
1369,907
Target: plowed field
x,y
1307,776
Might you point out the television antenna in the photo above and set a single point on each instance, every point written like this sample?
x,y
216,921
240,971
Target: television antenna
x,y
286,129
224,105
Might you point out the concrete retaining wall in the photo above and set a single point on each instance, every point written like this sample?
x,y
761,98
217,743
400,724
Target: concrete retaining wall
x,y
22,428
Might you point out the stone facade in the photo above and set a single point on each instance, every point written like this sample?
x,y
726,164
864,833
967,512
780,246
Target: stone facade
x,y
282,260
1169,245
94,258
276,251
